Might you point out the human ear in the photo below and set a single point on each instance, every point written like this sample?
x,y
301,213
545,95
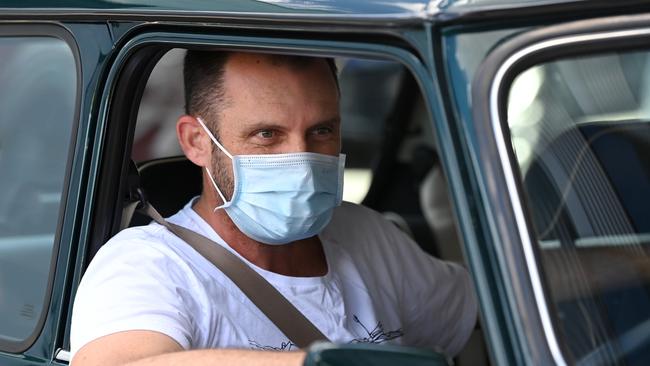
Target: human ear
x,y
195,143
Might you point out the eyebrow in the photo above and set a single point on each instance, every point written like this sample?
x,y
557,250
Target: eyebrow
x,y
333,120
274,125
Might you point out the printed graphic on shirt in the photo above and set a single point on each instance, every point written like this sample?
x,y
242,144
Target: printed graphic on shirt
x,y
376,336
284,346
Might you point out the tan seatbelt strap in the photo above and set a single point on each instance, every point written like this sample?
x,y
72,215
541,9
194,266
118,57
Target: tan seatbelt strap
x,y
270,301
127,214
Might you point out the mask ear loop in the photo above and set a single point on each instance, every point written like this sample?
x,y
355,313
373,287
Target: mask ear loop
x,y
223,198
223,149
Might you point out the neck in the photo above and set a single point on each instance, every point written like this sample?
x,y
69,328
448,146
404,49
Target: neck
x,y
301,258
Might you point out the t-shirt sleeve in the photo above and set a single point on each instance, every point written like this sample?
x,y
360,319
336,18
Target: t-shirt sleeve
x,y
439,306
435,298
439,301
130,285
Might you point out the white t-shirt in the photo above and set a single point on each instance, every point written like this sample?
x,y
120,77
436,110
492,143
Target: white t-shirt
x,y
380,287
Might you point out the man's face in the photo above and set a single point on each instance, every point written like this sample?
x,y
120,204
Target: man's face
x,y
275,108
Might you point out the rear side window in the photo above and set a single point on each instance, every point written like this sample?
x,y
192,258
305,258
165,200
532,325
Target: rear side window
x,y
580,131
38,87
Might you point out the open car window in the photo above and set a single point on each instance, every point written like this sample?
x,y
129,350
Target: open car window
x,y
387,136
370,89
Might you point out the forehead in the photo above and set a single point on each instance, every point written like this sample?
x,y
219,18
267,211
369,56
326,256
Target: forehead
x,y
260,69
273,60
278,88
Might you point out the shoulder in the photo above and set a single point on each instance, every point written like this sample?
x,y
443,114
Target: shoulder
x,y
134,282
362,231
352,214
354,220
142,251
351,208
151,239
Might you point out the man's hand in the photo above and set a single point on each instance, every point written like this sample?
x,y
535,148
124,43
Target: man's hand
x,y
141,347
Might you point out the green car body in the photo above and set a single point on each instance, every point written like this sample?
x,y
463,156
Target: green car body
x,y
446,45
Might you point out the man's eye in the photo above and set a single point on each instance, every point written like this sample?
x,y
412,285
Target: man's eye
x,y
322,131
265,134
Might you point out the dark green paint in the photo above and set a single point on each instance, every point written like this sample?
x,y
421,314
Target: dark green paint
x,y
458,5
359,354
443,60
235,6
96,42
463,53
96,47
93,45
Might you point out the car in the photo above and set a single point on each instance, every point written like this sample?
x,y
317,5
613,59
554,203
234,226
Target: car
x,y
511,137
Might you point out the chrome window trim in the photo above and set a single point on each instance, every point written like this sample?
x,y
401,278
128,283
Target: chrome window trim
x,y
62,355
507,166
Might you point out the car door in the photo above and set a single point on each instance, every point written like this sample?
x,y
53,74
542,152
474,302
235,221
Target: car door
x,y
558,143
143,41
46,69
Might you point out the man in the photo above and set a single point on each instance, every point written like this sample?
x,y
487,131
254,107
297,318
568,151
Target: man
x,y
266,130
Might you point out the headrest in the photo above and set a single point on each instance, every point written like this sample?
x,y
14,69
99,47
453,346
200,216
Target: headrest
x,y
437,210
168,184
589,170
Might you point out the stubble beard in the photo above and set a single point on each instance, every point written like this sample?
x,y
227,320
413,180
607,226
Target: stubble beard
x,y
222,172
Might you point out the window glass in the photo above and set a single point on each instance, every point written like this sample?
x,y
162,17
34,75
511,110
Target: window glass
x,y
37,103
370,89
580,130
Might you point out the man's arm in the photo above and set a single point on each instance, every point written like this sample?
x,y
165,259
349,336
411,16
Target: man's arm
x,y
142,347
436,298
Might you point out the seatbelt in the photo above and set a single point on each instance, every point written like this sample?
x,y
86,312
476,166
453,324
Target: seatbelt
x,y
127,214
270,301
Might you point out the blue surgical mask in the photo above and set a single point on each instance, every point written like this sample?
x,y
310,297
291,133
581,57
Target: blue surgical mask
x,y
281,198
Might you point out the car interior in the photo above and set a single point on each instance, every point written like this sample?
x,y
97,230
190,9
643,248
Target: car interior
x,y
391,165
586,180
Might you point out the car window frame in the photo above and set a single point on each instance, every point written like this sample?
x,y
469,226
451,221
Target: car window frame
x,y
122,95
117,141
490,89
50,30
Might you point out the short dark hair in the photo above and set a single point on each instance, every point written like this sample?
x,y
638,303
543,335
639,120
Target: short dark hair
x,y
203,76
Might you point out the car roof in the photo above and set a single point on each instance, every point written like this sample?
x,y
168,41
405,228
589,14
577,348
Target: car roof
x,y
334,7
434,10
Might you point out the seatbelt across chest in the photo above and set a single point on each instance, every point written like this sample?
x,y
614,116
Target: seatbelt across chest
x,y
270,301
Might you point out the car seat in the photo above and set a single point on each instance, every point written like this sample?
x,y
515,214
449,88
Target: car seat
x,y
434,200
588,191
168,184
436,206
